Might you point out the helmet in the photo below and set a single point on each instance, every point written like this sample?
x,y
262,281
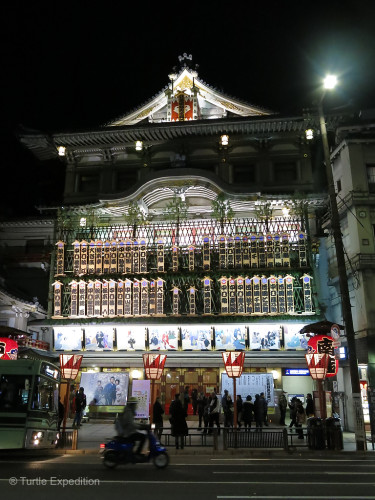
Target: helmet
x,y
132,400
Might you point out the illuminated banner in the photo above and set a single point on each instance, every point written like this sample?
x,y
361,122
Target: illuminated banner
x,y
196,338
175,300
265,337
76,257
113,257
285,253
9,351
251,384
192,301
90,299
141,391
256,295
222,253
84,257
248,296
60,257
67,338
206,253
112,298
277,250
306,280
232,296
73,298
292,338
273,294
182,108
128,257
98,338
99,257
121,257
207,295
265,296
120,298
281,294
131,338
136,298
160,297
160,256
57,299
230,252
82,298
152,302
254,251
324,344
289,290
240,295
237,252
224,295
302,249
91,258
128,297
105,388
105,298
174,258
136,256
163,337
230,337
143,256
97,298
245,252
191,258
261,250
270,259
106,257
144,297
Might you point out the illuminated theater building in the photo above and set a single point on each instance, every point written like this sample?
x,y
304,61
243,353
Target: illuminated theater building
x,y
189,228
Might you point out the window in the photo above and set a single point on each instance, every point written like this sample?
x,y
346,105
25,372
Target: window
x,y
14,393
46,393
285,172
338,185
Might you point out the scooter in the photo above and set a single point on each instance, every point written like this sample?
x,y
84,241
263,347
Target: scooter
x,y
120,451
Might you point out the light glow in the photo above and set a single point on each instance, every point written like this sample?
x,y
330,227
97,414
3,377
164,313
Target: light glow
x,y
330,82
138,145
309,134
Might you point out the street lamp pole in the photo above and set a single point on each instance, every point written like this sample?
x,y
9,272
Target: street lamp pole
x,y
360,435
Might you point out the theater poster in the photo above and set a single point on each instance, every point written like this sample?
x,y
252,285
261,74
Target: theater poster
x,y
99,338
131,338
163,338
294,340
196,338
265,337
230,337
141,390
67,338
250,384
105,389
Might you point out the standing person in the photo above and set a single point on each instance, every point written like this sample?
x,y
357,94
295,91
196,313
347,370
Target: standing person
x,y
258,411
247,412
194,400
201,403
228,412
186,400
283,403
300,418
239,409
61,413
265,408
110,392
80,405
293,411
157,417
179,427
224,400
214,413
309,406
206,414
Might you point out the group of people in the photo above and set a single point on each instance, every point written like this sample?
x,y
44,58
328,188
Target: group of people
x,y
247,411
298,414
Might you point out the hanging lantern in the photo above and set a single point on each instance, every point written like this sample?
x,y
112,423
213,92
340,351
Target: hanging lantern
x,y
318,365
8,348
233,362
154,365
70,365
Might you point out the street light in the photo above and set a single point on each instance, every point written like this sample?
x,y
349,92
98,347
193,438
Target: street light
x,y
360,435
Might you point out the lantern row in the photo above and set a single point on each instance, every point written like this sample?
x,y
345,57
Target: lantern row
x,y
256,295
130,256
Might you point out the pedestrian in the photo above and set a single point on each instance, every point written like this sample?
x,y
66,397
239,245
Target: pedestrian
x,y
61,413
194,400
179,428
265,408
283,403
201,403
157,417
293,411
224,400
309,406
80,405
239,409
300,418
258,412
228,412
206,414
247,412
186,400
214,413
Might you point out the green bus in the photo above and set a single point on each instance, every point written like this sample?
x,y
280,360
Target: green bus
x,y
29,399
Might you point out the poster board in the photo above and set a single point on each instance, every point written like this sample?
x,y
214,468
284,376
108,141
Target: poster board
x,y
99,338
141,390
293,339
131,338
67,338
230,337
105,388
163,337
265,337
250,384
196,338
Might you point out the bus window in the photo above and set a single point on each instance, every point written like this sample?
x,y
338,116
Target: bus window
x,y
44,395
14,393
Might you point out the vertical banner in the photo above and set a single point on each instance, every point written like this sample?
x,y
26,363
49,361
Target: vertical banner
x,y
245,252
99,257
254,251
97,298
270,259
192,300
175,301
277,250
206,253
73,298
143,256
136,256
91,258
82,298
106,257
240,295
248,296
105,298
152,303
307,297
237,252
76,257
174,258
207,295
222,252
141,390
90,299
144,297
261,251
265,296
256,295
160,297
302,249
112,298
285,253
113,257
224,295
120,298
60,257
121,257
232,296
128,257
191,258
281,294
84,257
128,297
273,294
160,256
57,299
136,298
289,290
230,252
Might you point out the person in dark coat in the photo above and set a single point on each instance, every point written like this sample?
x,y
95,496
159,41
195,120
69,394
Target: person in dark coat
x,y
247,412
293,411
283,403
228,412
309,406
61,413
194,400
157,417
265,408
258,411
179,428
201,403
239,409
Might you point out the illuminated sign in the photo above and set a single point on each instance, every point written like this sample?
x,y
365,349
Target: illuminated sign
x,y
297,371
8,348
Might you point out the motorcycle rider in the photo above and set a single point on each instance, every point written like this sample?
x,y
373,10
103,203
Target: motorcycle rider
x,y
128,428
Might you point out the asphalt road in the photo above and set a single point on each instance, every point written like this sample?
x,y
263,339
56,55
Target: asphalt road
x,y
191,477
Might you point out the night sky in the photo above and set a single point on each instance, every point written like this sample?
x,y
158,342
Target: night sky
x,y
74,65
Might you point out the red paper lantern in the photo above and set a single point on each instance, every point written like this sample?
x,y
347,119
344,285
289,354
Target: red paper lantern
x,y
317,364
70,364
233,362
154,365
8,348
324,344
